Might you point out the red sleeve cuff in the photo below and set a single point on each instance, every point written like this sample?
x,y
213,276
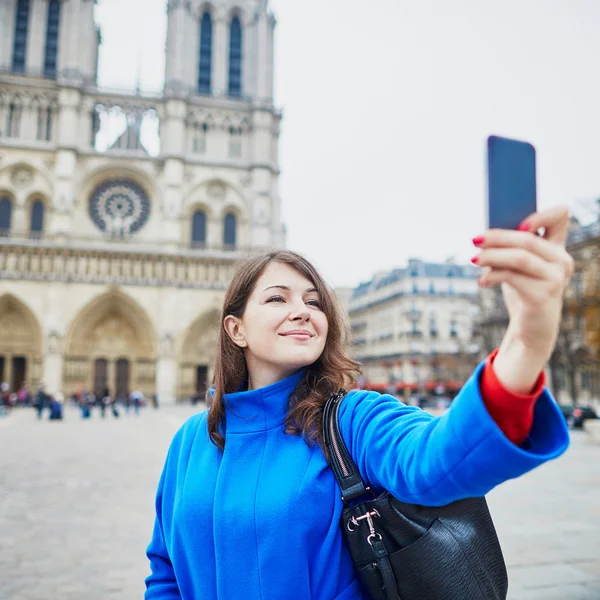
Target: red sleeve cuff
x,y
513,413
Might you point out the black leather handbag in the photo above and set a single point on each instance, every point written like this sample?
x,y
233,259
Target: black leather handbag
x,y
409,552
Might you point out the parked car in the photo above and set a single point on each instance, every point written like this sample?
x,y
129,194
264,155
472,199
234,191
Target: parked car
x,y
575,415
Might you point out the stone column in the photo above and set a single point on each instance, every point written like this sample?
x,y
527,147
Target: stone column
x,y
52,369
7,32
220,54
166,370
174,66
36,38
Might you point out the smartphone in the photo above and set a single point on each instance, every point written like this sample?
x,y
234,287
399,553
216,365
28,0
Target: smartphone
x,y
511,182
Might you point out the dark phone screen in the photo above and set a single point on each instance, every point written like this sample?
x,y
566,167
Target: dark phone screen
x,y
511,182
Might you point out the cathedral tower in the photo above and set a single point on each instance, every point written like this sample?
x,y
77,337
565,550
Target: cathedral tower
x,y
122,214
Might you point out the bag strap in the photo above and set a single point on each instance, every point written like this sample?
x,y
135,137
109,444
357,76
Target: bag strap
x,y
344,468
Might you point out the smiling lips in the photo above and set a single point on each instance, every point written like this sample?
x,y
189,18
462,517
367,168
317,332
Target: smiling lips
x,y
298,334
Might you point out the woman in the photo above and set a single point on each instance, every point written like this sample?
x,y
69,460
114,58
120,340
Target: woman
x,y
247,506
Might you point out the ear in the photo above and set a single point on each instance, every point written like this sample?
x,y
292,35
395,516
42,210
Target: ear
x,y
234,328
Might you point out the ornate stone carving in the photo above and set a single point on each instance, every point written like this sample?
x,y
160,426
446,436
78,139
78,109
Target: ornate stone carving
x,y
54,343
22,176
217,190
167,345
115,268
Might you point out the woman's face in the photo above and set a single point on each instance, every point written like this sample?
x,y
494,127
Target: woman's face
x,y
283,328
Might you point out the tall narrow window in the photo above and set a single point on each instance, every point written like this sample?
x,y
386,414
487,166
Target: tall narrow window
x,y
49,113
235,58
20,41
36,227
235,142
199,139
205,64
52,26
199,229
229,231
5,216
13,120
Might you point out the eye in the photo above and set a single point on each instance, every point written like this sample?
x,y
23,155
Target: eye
x,y
275,299
315,303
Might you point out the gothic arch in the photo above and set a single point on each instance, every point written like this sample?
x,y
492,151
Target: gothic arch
x,y
20,343
197,347
41,181
112,329
204,190
113,305
115,171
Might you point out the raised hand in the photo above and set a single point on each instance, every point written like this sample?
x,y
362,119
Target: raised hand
x,y
533,271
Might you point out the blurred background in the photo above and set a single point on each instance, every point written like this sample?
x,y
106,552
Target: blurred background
x,y
147,146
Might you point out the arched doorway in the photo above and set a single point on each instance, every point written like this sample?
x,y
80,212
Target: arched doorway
x,y
197,355
111,344
20,344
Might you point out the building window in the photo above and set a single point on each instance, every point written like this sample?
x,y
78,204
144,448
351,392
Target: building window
x,y
52,27
13,120
235,142
229,231
433,329
20,42
5,216
36,226
235,58
44,124
205,64
199,229
199,138
453,332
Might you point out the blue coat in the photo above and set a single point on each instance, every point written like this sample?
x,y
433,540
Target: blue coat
x,y
261,519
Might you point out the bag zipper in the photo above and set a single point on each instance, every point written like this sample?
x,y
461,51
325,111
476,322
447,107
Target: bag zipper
x,y
334,442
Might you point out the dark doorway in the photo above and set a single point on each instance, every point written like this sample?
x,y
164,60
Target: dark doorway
x,y
19,369
122,379
100,376
1,369
201,379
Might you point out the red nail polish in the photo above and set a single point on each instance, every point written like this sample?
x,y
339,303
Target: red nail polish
x,y
477,241
475,260
524,227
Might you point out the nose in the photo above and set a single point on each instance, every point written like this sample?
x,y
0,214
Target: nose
x,y
300,313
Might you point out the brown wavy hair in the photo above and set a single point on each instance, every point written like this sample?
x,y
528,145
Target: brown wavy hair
x,y
333,370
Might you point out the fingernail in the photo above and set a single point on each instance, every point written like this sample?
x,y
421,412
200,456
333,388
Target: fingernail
x,y
524,227
475,260
478,241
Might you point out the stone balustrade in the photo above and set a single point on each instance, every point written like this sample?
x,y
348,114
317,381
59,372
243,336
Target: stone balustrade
x,y
32,262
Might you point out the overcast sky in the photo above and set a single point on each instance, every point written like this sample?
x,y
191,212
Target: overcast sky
x,y
387,107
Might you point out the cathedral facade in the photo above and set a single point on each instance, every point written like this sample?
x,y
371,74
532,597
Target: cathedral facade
x,y
122,214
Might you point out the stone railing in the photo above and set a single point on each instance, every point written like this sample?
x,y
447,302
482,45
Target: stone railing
x,y
35,263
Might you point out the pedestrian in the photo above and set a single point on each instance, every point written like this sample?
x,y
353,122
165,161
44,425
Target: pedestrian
x,y
41,401
136,400
56,402
105,402
5,395
247,505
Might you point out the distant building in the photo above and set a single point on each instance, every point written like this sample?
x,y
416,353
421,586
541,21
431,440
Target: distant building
x,y
122,214
412,328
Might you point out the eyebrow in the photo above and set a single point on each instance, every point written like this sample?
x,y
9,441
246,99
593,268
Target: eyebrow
x,y
287,289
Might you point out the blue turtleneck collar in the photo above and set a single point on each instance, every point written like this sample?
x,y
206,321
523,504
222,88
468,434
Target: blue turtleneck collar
x,y
260,409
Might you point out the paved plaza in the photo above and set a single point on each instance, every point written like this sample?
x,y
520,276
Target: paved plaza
x,y
76,511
